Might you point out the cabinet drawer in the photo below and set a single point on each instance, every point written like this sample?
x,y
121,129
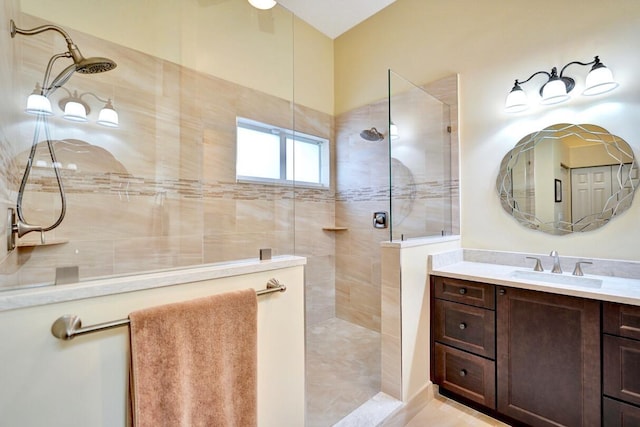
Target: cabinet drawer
x,y
620,319
466,327
464,291
465,374
618,414
621,361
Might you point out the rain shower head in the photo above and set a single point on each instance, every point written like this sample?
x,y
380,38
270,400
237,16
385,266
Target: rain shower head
x,y
372,135
95,65
80,63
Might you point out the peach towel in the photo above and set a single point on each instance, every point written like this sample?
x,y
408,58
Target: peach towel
x,y
195,363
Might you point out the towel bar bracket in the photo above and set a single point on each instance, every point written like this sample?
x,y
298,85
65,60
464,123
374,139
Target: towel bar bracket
x,y
70,326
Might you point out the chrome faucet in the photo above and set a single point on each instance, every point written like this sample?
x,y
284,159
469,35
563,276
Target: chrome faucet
x,y
556,262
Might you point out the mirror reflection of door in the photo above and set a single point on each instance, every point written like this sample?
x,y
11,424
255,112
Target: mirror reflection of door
x,y
591,189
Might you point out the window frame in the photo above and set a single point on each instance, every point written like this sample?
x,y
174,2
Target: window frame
x,y
285,134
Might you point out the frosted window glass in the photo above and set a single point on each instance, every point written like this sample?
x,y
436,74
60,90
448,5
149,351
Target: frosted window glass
x,y
258,154
305,157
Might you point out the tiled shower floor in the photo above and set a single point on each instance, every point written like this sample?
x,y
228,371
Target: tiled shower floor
x,y
342,372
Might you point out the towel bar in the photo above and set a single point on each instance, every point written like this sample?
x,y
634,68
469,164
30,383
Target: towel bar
x,y
69,326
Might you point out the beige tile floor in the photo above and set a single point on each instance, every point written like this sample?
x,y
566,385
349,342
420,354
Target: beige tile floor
x,y
443,412
342,371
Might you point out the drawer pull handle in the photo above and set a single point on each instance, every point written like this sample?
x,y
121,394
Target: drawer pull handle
x,y
463,372
463,325
502,292
462,291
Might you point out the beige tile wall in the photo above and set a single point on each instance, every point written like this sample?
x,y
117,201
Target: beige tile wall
x,y
363,188
159,191
8,116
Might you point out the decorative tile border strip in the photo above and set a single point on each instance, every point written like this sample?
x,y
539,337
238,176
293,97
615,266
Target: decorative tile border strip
x,y
131,186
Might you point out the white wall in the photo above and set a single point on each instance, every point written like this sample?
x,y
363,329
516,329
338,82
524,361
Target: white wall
x,y
415,315
490,43
83,382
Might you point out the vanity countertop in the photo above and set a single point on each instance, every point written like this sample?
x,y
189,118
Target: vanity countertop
x,y
614,289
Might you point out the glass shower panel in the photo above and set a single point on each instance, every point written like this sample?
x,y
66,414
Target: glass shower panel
x,y
419,162
159,191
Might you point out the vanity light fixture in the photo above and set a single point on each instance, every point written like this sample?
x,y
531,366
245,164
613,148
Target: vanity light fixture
x,y
74,107
558,86
263,4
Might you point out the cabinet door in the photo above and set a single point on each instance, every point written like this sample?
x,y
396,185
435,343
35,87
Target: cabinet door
x,y
619,414
621,357
548,364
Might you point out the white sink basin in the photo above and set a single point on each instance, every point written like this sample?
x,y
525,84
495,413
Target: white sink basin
x,y
560,279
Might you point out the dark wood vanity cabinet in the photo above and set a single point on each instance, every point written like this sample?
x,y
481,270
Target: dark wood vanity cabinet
x,y
621,365
531,357
548,363
463,339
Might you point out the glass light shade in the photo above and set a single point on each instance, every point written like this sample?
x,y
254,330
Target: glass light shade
x,y
263,4
38,104
554,92
108,117
75,112
599,80
516,101
393,131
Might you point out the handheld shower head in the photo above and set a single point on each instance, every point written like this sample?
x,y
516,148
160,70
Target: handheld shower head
x,y
372,135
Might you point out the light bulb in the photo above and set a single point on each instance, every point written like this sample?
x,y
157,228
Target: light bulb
x,y
393,131
516,100
599,80
554,92
75,112
108,116
38,104
263,4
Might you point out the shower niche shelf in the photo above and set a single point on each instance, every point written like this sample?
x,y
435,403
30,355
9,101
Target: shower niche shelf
x,y
36,244
334,228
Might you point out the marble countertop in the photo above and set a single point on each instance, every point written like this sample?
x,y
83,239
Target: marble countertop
x,y
28,297
453,264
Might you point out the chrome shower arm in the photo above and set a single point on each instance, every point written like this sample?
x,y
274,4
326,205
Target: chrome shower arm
x,y
73,49
37,30
80,63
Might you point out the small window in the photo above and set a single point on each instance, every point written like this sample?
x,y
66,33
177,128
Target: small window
x,y
270,154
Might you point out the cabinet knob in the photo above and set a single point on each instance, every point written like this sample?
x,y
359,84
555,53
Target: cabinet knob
x,y
462,291
502,291
463,325
463,372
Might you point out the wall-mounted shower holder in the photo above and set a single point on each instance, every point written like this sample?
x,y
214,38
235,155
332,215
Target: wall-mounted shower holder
x,y
18,228
11,236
